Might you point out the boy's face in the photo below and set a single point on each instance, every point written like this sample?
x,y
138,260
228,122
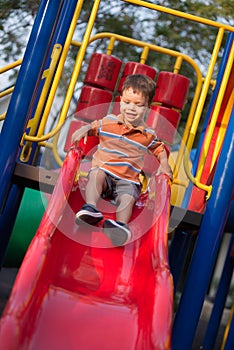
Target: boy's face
x,y
133,106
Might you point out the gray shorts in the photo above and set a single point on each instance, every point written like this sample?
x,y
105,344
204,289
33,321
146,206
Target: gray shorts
x,y
116,187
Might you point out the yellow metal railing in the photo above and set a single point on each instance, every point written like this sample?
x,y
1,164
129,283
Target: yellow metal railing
x,y
228,328
6,92
181,14
34,122
40,138
222,129
10,90
215,113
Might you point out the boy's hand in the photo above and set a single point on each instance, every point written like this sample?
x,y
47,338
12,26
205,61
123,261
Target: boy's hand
x,y
165,169
80,133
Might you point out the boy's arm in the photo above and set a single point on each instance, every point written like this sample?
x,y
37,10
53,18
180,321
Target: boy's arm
x,y
160,153
164,167
86,130
80,133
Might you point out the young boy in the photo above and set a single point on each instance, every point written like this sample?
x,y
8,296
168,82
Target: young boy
x,y
117,164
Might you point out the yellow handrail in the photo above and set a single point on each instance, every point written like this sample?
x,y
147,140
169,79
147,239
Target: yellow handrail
x,y
222,129
10,66
2,116
142,44
33,122
6,92
74,77
228,327
11,89
189,122
181,14
215,114
198,114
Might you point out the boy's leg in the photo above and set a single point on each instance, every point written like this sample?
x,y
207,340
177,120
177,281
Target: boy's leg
x,y
124,209
118,231
95,186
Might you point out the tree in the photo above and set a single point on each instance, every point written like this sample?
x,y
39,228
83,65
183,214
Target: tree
x,y
162,29
16,19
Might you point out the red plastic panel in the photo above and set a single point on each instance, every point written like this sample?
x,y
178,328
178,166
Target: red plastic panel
x,y
116,106
171,89
164,121
75,124
151,164
93,103
103,71
90,146
92,141
136,68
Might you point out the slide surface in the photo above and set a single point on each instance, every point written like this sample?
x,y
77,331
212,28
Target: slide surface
x,y
74,290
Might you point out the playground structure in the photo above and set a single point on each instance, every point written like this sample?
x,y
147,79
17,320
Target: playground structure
x,y
201,202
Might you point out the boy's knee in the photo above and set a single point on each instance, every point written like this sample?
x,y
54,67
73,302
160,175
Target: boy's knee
x,y
126,199
97,178
96,174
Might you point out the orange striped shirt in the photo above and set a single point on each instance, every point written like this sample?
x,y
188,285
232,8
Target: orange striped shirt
x,y
122,148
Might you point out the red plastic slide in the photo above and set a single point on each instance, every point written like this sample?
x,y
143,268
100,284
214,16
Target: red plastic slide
x,y
75,291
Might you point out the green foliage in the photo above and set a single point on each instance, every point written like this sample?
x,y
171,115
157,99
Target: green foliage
x,y
16,18
15,7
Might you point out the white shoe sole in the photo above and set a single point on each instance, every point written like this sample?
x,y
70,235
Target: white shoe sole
x,y
85,216
119,235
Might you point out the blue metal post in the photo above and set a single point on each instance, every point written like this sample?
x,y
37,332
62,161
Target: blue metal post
x,y
206,249
7,219
59,37
19,110
229,345
51,27
220,299
25,90
222,68
178,251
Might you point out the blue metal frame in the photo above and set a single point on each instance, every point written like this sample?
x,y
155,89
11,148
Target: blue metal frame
x,y
59,37
178,252
220,299
25,90
229,344
209,111
7,219
206,249
22,103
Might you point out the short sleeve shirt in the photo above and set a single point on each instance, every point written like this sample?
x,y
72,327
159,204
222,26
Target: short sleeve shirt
x,y
122,147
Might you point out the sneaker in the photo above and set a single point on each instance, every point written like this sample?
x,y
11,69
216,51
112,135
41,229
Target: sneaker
x,y
89,214
118,232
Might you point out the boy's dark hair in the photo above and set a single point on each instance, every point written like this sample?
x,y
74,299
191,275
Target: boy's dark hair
x,y
141,83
